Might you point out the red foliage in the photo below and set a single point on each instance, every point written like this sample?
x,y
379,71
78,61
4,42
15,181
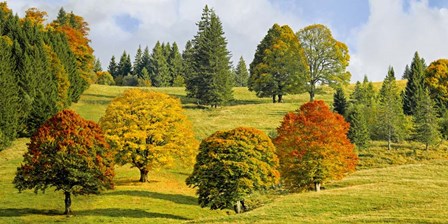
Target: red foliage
x,y
312,145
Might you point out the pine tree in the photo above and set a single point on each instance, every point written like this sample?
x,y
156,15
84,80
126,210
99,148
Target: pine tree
x,y
415,85
113,67
175,64
137,66
359,131
211,79
8,95
241,73
406,72
146,60
426,121
97,65
339,102
124,66
391,125
187,70
159,71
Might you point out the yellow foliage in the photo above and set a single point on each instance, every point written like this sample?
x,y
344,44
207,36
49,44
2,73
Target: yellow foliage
x,y
149,130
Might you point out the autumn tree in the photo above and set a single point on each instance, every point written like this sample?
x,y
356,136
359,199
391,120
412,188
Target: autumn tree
x,y
326,58
391,125
415,85
231,165
436,76
278,65
69,154
211,80
313,147
148,130
425,121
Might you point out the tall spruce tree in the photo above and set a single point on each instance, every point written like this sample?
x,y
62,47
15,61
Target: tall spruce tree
x,y
124,66
187,70
241,73
137,66
391,125
113,67
359,131
211,79
9,96
159,71
146,60
415,85
339,102
425,121
174,63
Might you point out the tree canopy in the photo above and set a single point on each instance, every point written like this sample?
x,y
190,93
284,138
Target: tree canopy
x,y
313,147
326,58
279,64
233,164
148,130
69,154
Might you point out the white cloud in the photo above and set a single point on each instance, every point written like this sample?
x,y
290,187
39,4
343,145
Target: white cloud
x,y
392,35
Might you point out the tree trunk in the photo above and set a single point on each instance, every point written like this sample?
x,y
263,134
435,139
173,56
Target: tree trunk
x,y
68,203
312,92
317,186
237,207
280,100
426,146
143,175
273,99
388,141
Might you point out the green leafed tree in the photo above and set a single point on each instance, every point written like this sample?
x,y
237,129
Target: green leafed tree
x,y
391,121
279,65
69,154
148,130
241,73
232,165
435,80
415,86
426,123
326,57
211,80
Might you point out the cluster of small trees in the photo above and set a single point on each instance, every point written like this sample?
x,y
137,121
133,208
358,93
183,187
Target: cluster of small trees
x,y
416,113
44,68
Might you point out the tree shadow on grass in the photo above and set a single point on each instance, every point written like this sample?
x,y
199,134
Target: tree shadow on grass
x,y
176,198
16,212
99,95
129,213
110,212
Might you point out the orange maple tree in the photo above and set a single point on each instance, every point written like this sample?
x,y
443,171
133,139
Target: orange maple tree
x,y
313,147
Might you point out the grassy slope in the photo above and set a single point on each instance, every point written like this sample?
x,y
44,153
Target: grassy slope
x,y
407,193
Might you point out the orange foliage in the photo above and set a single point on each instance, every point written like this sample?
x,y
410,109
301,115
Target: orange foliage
x,y
313,147
36,16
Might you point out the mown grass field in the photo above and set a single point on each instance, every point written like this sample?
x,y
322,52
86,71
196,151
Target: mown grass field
x,y
404,185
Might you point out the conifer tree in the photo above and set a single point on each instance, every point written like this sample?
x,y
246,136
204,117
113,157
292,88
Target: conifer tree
x,y
137,67
159,71
174,63
187,70
9,96
415,85
146,60
425,121
359,131
211,79
124,66
113,67
339,102
97,65
391,125
241,73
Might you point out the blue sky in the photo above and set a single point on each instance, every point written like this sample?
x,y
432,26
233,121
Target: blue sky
x,y
379,33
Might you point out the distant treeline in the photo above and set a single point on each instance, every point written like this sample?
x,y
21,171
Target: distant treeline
x,y
44,68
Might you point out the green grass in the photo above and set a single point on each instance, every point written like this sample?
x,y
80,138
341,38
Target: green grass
x,y
404,185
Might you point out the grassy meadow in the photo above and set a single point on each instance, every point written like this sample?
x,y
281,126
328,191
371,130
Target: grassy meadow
x,y
404,185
